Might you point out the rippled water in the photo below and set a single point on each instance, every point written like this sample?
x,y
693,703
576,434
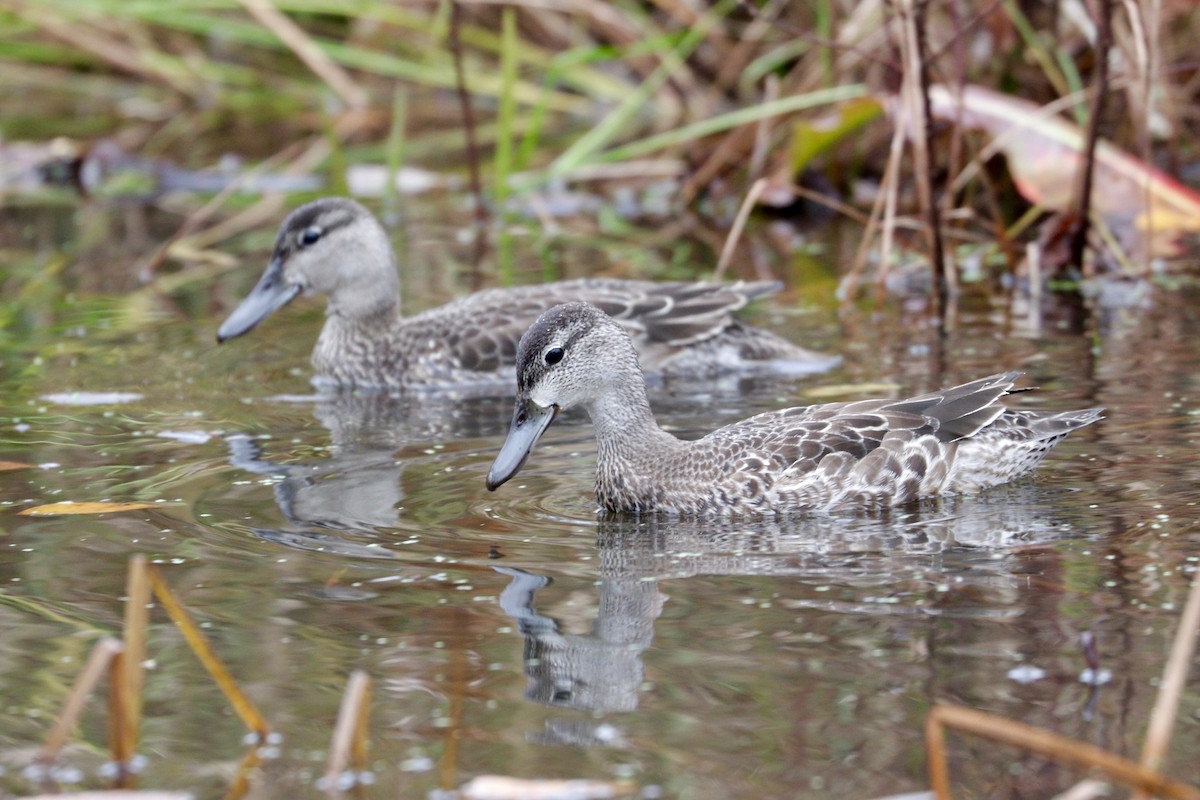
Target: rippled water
x,y
521,633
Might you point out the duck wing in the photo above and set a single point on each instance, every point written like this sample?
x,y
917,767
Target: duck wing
x,y
479,333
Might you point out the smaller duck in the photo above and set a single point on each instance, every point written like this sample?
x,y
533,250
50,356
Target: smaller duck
x,y
864,455
334,246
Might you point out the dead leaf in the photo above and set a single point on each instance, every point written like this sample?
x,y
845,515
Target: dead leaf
x,y
67,507
502,787
1044,153
7,465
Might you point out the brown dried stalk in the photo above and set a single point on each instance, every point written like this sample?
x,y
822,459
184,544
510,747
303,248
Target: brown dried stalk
x,y
1166,705
350,740
98,662
203,650
1083,192
1051,745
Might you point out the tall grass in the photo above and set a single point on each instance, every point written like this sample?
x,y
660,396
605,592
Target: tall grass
x,y
721,92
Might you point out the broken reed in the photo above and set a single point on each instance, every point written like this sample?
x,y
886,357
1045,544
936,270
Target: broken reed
x,y
1143,776
123,661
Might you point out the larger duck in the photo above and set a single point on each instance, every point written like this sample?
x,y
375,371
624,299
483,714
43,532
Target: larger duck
x,y
858,455
334,246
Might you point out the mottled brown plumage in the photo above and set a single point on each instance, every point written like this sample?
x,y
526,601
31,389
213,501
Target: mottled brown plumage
x,y
864,454
336,247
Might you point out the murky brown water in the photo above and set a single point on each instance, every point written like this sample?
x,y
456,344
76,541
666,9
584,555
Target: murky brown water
x,y
518,633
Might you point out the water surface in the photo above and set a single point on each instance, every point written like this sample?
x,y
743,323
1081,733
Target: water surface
x,y
520,632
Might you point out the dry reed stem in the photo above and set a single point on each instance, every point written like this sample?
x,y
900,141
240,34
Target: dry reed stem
x,y
240,784
456,688
316,151
202,214
300,43
935,753
915,96
118,711
748,43
1166,705
1147,57
454,40
732,147
203,650
1083,189
100,659
739,223
1033,257
1051,745
130,675
891,198
837,206
849,287
118,55
764,129
350,743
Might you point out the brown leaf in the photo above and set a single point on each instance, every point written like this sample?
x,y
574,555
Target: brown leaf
x,y
1044,153
67,507
502,787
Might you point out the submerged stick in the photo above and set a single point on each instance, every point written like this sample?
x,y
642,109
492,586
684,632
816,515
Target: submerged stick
x,y
203,650
1166,705
1051,745
101,658
350,742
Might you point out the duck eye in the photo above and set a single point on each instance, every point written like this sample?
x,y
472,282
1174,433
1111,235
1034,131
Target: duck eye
x,y
310,235
553,355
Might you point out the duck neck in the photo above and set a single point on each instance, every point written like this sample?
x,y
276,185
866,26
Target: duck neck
x,y
353,348
630,446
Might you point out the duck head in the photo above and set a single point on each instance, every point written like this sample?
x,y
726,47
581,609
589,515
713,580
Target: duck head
x,y
572,355
332,246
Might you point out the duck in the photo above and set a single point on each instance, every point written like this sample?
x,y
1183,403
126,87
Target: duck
x,y
335,247
863,455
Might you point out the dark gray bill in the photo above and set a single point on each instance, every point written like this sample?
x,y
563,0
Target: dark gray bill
x,y
529,422
269,295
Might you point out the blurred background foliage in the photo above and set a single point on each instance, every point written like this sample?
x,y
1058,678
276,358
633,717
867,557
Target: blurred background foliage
x,y
687,108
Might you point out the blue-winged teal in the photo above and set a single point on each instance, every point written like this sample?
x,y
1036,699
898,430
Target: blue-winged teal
x,y
866,454
336,247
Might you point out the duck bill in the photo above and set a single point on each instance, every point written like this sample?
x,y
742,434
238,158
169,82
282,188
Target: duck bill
x,y
269,295
529,422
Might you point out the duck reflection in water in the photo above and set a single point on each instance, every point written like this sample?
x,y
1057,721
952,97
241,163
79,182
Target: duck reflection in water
x,y
359,487
601,671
